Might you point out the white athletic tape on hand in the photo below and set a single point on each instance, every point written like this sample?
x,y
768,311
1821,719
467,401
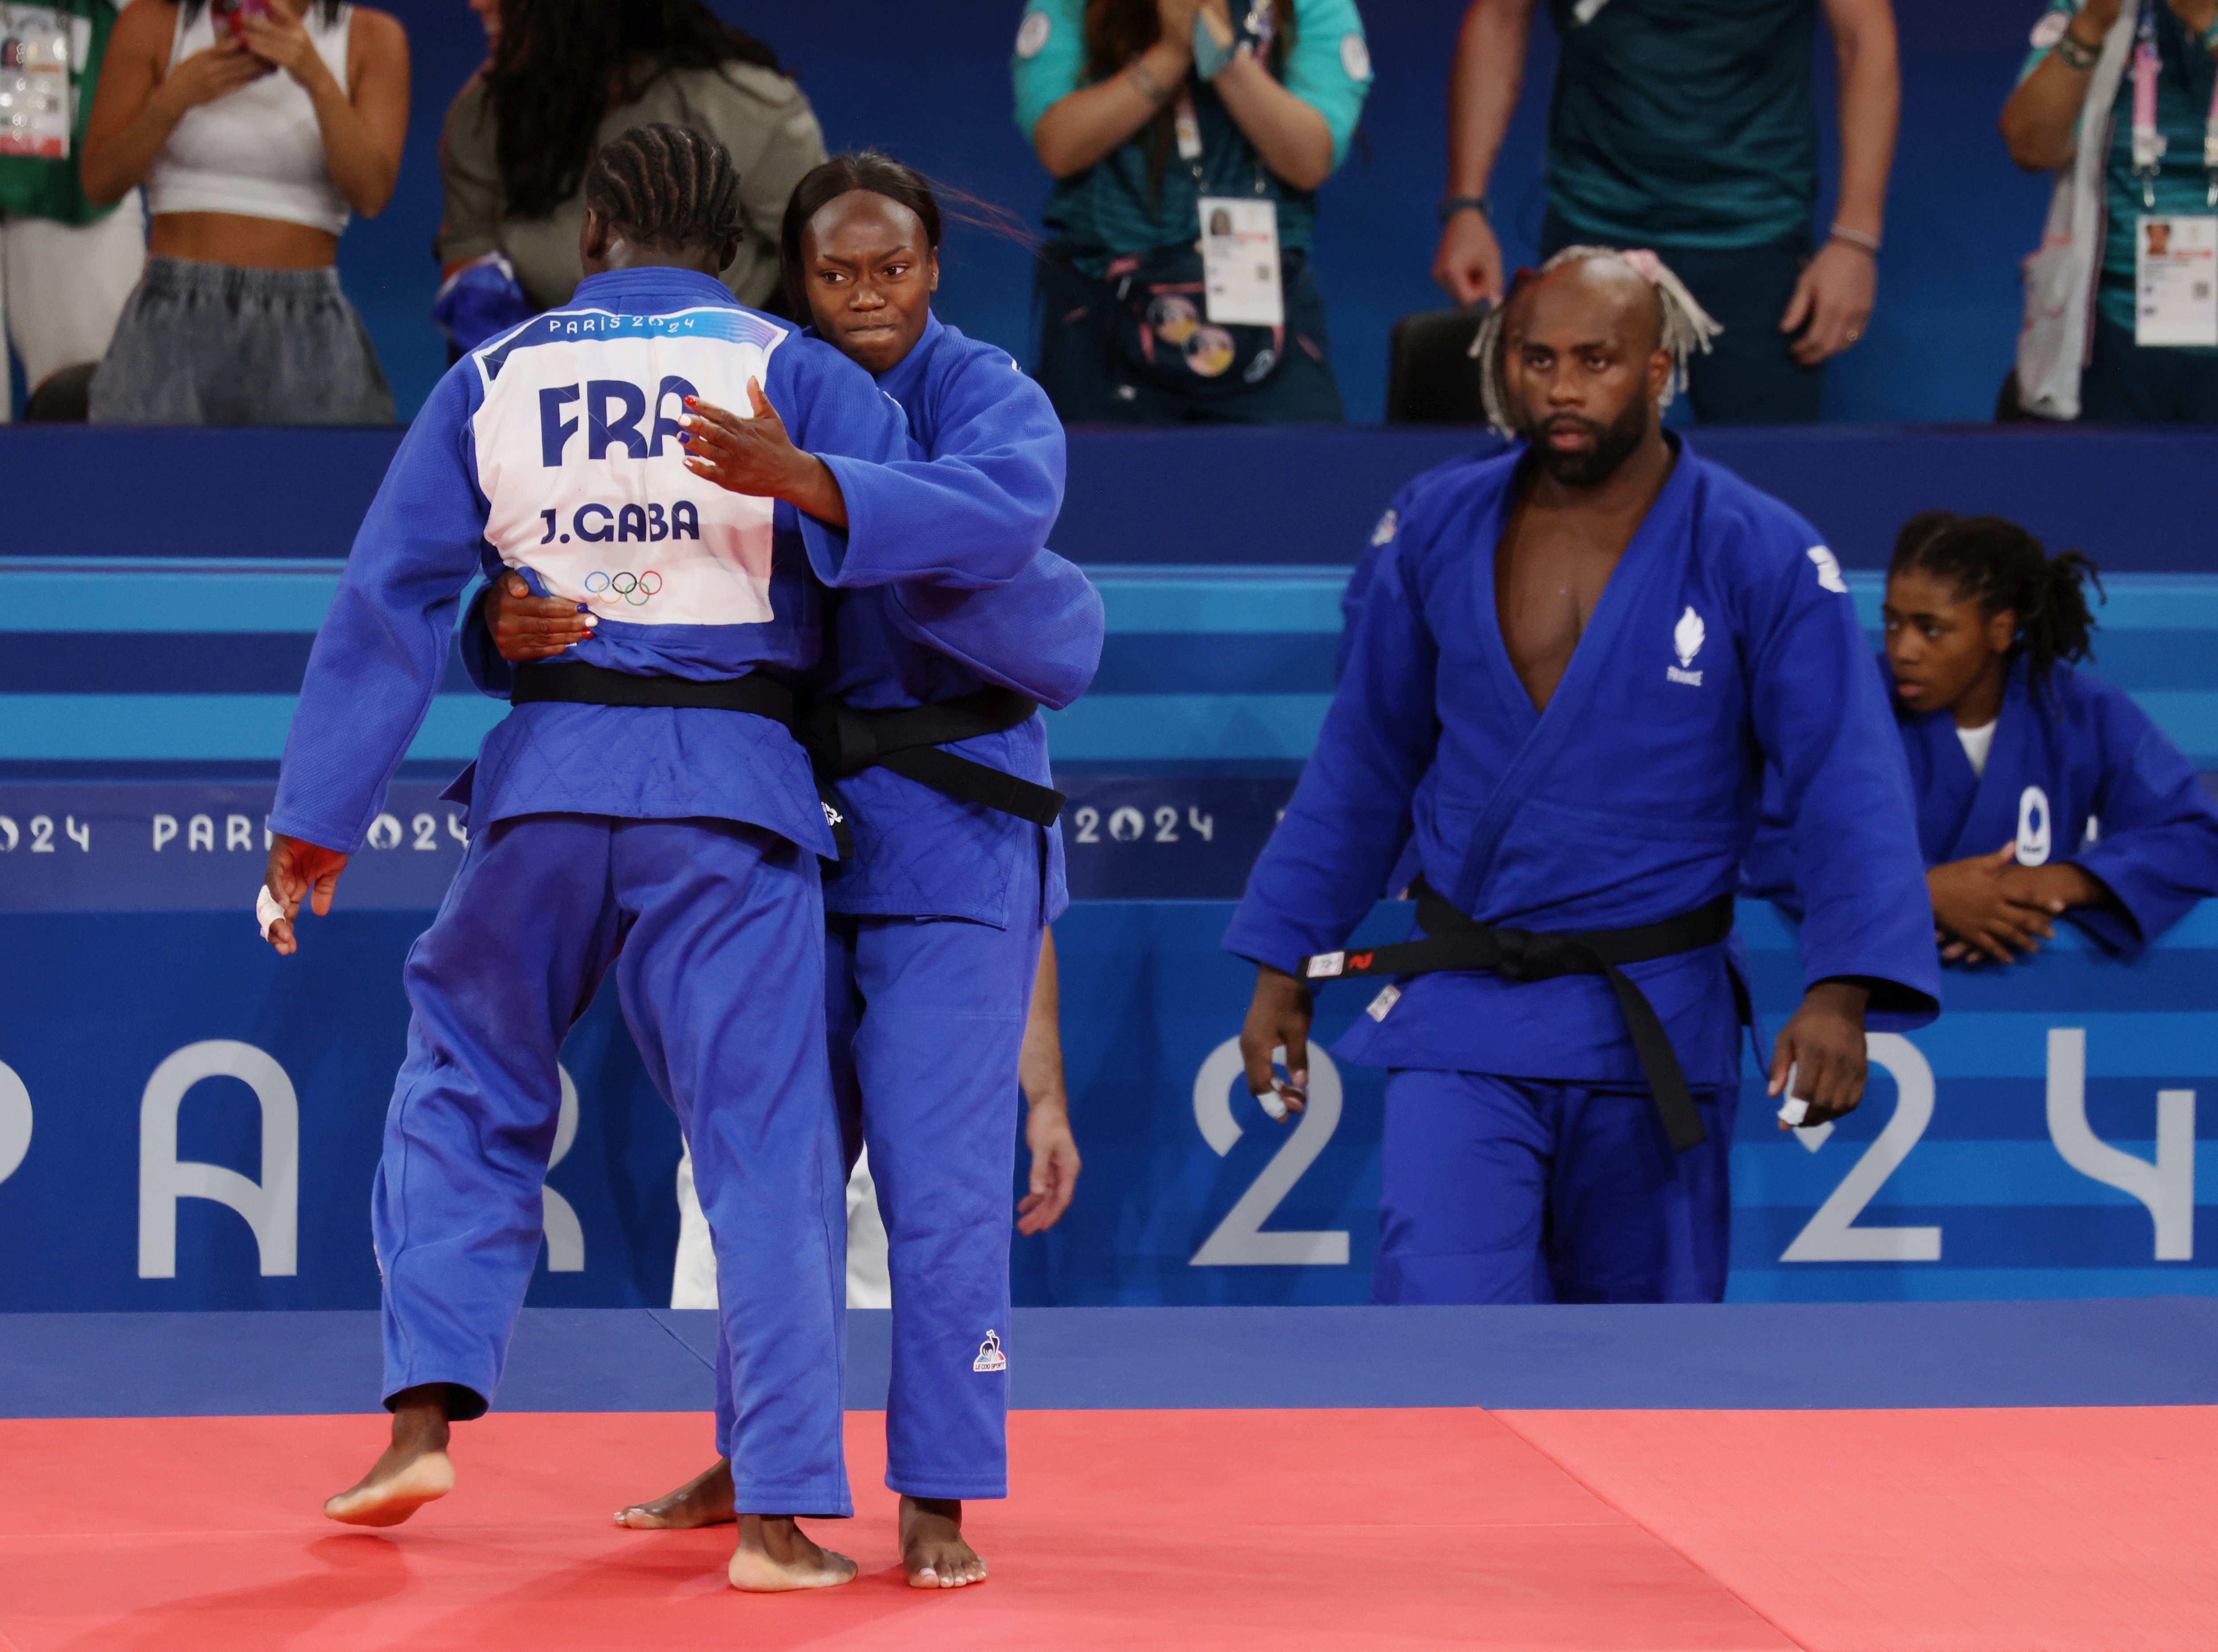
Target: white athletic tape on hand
x,y
266,909
1793,1108
1272,1103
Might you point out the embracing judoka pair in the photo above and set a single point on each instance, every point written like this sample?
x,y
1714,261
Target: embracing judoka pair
x,y
645,809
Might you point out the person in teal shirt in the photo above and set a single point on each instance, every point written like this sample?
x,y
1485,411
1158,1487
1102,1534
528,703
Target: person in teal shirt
x,y
1690,127
1138,109
2125,383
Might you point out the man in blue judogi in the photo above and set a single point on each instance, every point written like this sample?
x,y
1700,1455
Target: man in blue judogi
x,y
644,808
1570,666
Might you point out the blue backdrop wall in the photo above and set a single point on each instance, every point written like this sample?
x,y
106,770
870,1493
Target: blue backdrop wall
x,y
931,83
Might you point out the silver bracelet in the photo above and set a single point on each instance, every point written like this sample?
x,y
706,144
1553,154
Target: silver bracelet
x,y
2075,53
1149,86
1857,238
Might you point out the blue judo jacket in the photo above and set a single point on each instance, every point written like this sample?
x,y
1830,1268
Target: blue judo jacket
x,y
554,447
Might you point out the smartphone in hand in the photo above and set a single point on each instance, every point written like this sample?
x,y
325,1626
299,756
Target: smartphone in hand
x,y
228,17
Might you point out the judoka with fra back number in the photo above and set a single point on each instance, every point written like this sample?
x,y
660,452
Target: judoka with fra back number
x,y
644,809
1570,668
939,651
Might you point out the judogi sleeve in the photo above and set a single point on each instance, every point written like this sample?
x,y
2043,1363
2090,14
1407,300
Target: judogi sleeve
x,y
382,648
1040,635
2157,851
972,517
1350,817
1844,787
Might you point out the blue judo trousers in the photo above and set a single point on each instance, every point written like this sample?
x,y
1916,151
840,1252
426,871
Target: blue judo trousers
x,y
926,1020
674,846
690,914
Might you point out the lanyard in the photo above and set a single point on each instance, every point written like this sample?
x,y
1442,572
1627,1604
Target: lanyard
x,y
1188,129
2149,143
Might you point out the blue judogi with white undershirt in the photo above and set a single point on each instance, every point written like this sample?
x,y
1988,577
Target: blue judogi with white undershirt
x,y
934,921
2074,771
1522,1159
677,846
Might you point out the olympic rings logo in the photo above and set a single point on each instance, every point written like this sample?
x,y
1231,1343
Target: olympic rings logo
x,y
632,588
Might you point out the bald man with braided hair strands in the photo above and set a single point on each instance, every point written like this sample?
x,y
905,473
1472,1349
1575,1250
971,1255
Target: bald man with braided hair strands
x,y
643,810
1569,665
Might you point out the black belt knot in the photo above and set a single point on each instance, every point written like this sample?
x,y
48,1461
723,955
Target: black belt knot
x,y
843,740
1453,940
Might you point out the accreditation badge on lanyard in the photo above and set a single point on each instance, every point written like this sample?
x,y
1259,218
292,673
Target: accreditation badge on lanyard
x,y
35,115
2175,255
1239,244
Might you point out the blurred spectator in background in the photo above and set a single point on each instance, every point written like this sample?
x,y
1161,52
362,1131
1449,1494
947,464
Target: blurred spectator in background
x,y
1691,127
67,265
2149,181
1140,109
256,126
565,78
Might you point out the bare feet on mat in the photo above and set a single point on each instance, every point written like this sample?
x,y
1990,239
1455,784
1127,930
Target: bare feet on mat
x,y
414,1470
934,1553
705,1499
775,1554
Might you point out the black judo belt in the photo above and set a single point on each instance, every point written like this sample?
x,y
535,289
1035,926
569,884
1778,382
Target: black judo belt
x,y
845,741
579,683
1453,941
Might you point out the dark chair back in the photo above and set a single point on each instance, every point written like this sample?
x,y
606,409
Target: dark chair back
x,y
63,399
1430,377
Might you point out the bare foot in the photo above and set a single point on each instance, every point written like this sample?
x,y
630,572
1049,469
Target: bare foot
x,y
934,1553
414,1470
775,1554
705,1499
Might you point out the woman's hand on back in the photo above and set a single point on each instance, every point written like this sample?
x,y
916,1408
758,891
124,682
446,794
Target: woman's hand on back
x,y
525,628
754,455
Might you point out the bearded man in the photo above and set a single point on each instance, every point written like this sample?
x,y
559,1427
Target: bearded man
x,y
1569,667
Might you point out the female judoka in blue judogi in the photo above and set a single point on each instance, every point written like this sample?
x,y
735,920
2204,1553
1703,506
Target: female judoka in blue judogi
x,y
644,808
2043,792
1568,669
936,917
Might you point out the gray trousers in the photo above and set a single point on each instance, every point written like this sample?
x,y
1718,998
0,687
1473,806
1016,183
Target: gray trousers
x,y
206,344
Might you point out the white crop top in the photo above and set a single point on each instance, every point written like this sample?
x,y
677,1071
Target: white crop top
x,y
257,151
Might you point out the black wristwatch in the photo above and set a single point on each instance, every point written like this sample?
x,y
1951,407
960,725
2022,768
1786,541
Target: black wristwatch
x,y
1455,204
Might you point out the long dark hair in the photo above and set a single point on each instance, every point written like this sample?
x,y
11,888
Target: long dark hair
x,y
1999,564
560,65
882,175
1118,31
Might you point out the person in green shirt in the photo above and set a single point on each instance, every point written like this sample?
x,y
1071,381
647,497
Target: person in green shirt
x,y
1140,109
66,266
1690,127
2125,383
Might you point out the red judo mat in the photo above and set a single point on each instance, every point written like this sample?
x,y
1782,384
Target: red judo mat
x,y
1282,1529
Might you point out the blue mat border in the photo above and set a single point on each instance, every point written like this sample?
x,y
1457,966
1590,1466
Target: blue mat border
x,y
1787,1355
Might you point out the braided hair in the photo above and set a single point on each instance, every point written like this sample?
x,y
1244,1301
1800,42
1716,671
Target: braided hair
x,y
666,186
558,66
1687,326
2000,565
